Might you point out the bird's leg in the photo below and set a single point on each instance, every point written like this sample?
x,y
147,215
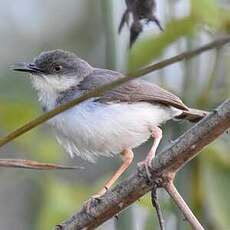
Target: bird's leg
x,y
127,158
147,163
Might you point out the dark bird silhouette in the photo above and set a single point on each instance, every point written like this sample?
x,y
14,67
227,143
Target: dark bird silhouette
x,y
140,10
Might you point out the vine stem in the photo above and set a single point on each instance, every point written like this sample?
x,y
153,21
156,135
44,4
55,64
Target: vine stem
x,y
100,90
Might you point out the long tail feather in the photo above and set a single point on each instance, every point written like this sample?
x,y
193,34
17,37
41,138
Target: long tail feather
x,y
193,115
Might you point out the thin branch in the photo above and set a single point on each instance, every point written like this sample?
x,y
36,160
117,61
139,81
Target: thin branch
x,y
100,90
156,204
28,164
175,195
165,165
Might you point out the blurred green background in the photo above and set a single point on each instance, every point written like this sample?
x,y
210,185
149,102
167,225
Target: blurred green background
x,y
37,200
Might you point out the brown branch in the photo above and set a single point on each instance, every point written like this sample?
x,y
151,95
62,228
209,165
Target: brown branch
x,y
100,90
156,204
164,168
28,164
175,195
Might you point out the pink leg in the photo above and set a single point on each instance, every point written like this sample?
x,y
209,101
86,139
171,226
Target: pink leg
x,y
127,158
157,135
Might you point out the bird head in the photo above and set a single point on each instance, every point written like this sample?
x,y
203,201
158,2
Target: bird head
x,y
55,70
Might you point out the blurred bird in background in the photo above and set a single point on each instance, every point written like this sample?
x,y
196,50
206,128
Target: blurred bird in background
x,y
140,10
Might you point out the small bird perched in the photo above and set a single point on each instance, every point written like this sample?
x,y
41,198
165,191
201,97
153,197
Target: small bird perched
x,y
116,122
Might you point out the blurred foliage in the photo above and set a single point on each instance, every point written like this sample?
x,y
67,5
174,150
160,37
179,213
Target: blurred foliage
x,y
215,182
152,47
206,12
205,83
60,199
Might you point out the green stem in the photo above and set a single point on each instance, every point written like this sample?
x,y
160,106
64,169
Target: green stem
x,y
100,90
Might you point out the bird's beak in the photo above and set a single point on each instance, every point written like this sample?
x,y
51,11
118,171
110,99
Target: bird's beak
x,y
26,67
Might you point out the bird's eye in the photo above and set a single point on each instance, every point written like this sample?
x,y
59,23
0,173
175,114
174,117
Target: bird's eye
x,y
57,68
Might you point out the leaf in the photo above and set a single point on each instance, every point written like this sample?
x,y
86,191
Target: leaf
x,y
206,11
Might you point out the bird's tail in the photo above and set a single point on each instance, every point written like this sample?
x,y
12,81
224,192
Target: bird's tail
x,y
193,115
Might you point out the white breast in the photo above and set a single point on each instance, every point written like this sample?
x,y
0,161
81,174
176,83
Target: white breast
x,y
92,128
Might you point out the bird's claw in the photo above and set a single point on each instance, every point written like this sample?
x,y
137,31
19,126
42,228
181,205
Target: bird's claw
x,y
147,165
116,217
91,203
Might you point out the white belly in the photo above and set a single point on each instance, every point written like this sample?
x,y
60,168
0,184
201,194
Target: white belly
x,y
92,128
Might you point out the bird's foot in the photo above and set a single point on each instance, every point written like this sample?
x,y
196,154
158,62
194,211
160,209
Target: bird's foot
x,y
147,165
93,201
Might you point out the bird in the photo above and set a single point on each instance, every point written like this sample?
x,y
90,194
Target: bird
x,y
113,123
141,10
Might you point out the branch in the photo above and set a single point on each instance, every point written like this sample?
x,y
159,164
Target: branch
x,y
156,204
171,189
28,164
100,90
165,166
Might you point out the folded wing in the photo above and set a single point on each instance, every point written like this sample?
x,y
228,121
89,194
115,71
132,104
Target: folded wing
x,y
131,92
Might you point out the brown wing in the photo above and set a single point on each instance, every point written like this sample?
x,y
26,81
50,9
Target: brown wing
x,y
132,91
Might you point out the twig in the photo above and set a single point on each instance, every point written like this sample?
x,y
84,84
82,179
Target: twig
x,y
156,204
100,90
28,164
165,165
175,195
